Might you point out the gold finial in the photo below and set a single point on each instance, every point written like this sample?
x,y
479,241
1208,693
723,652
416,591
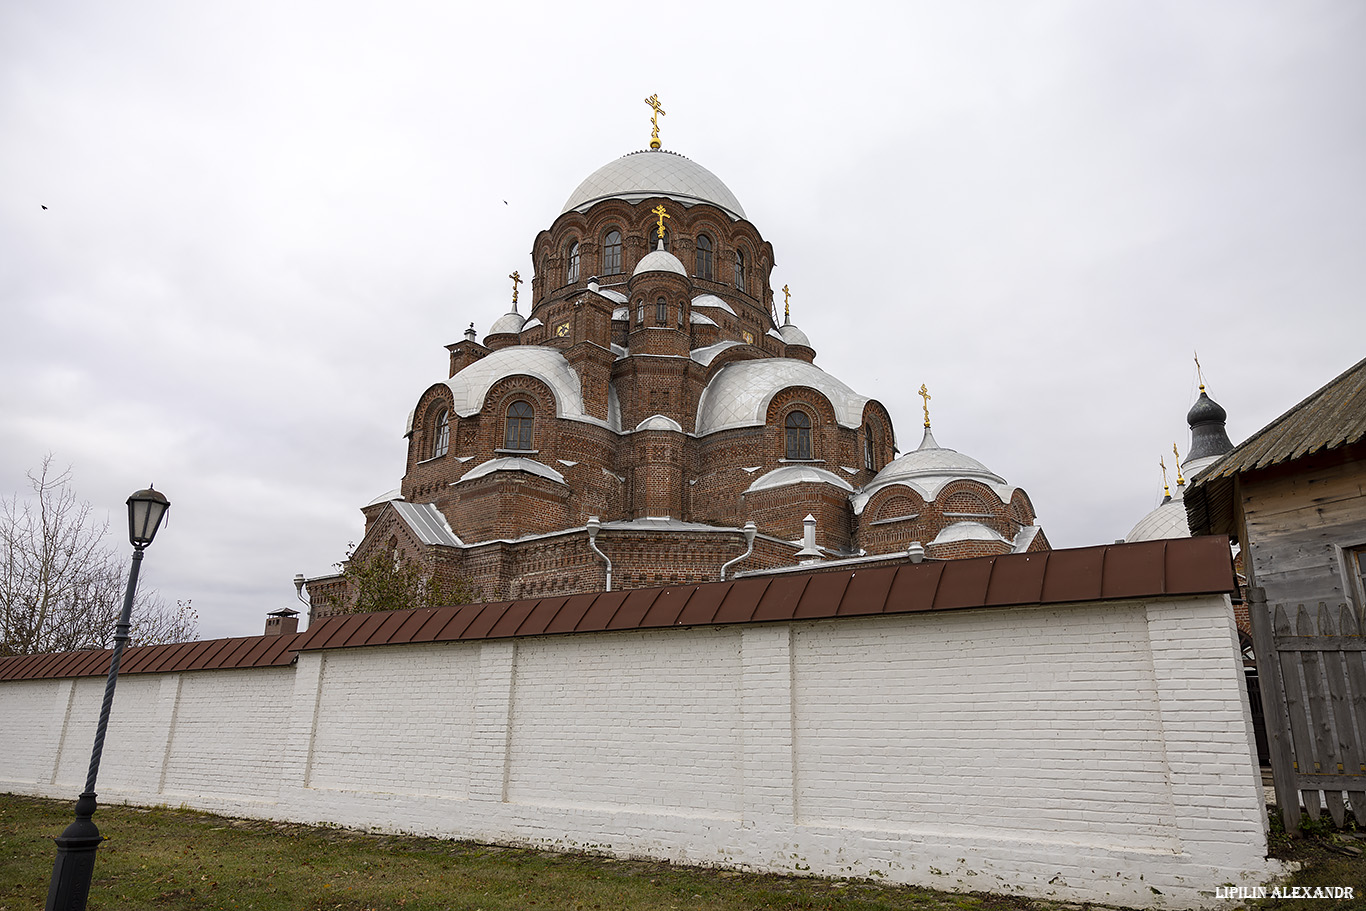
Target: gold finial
x,y
516,280
787,305
653,101
925,394
1180,481
1166,491
1198,375
659,211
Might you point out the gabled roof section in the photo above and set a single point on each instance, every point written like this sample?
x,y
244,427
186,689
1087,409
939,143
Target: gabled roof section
x,y
427,523
1333,417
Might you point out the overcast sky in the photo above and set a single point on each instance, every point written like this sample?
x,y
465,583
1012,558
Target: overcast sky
x,y
265,220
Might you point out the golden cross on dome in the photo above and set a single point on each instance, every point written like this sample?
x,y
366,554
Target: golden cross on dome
x,y
516,280
1198,375
653,101
787,305
1166,491
659,211
1180,481
925,394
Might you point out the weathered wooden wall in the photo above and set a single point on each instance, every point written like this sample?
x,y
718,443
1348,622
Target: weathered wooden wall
x,y
1294,519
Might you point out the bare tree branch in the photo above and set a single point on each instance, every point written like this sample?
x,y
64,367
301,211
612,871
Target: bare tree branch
x,y
61,586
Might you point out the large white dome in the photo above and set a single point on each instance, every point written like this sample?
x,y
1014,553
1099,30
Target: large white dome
x,y
654,172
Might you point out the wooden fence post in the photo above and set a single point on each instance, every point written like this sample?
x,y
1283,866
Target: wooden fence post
x,y
1274,710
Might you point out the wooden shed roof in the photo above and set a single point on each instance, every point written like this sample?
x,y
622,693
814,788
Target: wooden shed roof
x,y
1332,417
1185,566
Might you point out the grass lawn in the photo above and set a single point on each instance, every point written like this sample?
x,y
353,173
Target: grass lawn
x,y
171,859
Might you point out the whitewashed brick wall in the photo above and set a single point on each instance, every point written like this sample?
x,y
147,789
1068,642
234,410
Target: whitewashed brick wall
x,y
1088,752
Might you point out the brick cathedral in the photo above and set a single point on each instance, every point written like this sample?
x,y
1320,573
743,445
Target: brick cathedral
x,y
648,407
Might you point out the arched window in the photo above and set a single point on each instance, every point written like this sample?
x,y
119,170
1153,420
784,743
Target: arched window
x,y
652,237
661,312
704,263
740,270
640,313
611,253
868,458
572,273
680,316
441,436
520,418
798,435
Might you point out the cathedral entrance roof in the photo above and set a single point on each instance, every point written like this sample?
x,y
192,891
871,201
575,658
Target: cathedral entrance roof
x,y
655,172
739,394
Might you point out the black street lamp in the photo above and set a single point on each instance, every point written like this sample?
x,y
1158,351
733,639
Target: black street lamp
x,y
75,864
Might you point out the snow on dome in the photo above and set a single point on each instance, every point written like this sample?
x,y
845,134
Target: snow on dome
x,y
799,474
509,322
968,531
739,393
514,463
654,172
659,261
660,422
793,336
469,386
928,469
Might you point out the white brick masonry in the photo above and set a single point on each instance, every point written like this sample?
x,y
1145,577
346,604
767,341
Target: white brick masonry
x,y
1096,751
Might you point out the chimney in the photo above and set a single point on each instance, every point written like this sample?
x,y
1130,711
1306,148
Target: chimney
x,y
809,552
282,622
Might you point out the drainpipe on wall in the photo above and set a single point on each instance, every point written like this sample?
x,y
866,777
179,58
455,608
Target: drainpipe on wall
x,y
595,526
750,529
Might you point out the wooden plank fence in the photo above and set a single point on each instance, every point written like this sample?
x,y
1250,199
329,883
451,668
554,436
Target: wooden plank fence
x,y
1312,674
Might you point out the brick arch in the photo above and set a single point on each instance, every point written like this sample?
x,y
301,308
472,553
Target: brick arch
x,y
875,415
1021,508
894,503
816,406
500,397
429,405
964,501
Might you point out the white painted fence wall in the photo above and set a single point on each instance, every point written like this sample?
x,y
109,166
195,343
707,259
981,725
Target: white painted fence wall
x,y
1098,751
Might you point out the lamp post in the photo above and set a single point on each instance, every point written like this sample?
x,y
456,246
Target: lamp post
x,y
75,864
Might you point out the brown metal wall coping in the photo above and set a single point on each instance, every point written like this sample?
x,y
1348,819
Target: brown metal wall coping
x,y
1183,566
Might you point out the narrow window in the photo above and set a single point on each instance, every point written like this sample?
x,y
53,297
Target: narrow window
x,y
740,270
868,462
640,313
798,435
661,312
680,316
441,437
704,263
611,253
572,273
518,434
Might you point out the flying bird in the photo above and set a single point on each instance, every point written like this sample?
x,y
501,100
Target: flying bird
x,y
42,205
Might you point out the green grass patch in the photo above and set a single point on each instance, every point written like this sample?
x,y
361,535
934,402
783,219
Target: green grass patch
x,y
162,858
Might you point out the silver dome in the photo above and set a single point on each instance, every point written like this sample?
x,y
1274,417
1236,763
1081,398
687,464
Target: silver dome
x,y
739,393
799,474
508,322
793,336
1168,520
654,172
659,261
927,469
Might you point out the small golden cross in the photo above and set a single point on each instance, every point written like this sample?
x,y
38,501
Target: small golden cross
x,y
659,210
787,304
1166,491
653,101
925,394
516,280
1180,481
1198,375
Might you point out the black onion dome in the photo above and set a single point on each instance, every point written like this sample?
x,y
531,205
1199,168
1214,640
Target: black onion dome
x,y
1208,436
1205,409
